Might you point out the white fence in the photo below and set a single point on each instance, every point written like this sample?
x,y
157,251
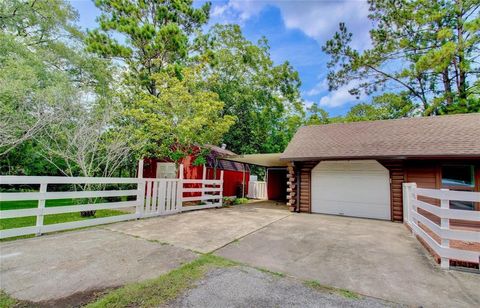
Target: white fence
x,y
257,190
152,197
444,231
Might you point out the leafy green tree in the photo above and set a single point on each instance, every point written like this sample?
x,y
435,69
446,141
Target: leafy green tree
x,y
42,68
165,105
263,96
184,115
316,115
56,111
425,51
146,35
383,107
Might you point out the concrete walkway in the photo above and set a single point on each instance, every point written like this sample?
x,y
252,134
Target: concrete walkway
x,y
375,258
207,230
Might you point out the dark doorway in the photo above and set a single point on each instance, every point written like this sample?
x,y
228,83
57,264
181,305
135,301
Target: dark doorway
x,y
277,184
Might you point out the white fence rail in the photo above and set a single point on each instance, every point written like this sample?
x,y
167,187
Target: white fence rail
x,y
152,197
257,190
444,231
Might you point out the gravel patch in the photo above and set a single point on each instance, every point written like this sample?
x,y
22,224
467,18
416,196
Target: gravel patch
x,y
242,286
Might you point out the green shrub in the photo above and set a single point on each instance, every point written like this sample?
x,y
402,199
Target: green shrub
x,y
240,201
228,201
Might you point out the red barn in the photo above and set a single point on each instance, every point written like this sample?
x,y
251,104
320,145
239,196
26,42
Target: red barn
x,y
235,175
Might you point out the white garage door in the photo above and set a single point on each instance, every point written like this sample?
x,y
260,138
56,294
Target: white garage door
x,y
359,188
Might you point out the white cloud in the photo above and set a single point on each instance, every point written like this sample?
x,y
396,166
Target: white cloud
x,y
237,11
320,87
339,97
219,10
308,104
317,19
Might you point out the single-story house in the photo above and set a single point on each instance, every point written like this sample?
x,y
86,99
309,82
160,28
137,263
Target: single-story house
x,y
357,169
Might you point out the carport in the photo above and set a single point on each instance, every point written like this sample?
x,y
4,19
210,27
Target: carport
x,y
274,187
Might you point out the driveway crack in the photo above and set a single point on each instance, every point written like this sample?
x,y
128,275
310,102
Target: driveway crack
x,y
250,233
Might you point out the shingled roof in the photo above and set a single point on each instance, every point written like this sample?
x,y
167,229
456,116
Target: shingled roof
x,y
436,136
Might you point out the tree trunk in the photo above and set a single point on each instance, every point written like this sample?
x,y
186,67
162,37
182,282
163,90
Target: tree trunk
x,y
448,87
462,83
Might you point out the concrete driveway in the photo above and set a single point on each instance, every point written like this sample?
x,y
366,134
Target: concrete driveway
x,y
375,258
207,230
61,265
56,266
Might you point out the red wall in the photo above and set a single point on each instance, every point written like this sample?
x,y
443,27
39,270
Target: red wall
x,y
231,179
277,184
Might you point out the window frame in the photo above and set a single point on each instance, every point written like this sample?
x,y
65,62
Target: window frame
x,y
472,188
459,187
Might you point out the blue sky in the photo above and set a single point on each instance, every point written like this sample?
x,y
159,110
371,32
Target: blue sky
x,y
296,31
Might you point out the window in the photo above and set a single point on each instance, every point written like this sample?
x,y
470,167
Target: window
x,y
166,171
459,177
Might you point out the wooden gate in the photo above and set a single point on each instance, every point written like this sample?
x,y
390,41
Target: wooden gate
x,y
162,197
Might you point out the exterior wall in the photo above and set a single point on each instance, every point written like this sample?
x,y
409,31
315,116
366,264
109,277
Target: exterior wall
x,y
276,184
397,177
305,183
232,181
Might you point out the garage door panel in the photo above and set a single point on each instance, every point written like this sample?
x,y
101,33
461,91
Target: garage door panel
x,y
355,209
337,185
358,188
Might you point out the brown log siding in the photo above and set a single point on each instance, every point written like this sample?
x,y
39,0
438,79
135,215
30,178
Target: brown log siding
x,y
397,177
305,185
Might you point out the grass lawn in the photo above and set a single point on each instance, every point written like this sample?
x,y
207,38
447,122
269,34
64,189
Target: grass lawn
x,y
9,223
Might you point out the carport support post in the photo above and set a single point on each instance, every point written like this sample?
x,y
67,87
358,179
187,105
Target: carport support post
x,y
243,181
445,225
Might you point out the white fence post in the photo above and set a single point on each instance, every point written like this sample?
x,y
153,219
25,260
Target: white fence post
x,y
140,197
41,207
140,169
445,225
412,205
408,201
204,177
221,188
179,202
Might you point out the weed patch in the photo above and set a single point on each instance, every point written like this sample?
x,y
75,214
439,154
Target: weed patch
x,y
343,292
157,291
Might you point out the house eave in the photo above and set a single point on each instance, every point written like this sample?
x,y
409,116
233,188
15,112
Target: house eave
x,y
384,157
